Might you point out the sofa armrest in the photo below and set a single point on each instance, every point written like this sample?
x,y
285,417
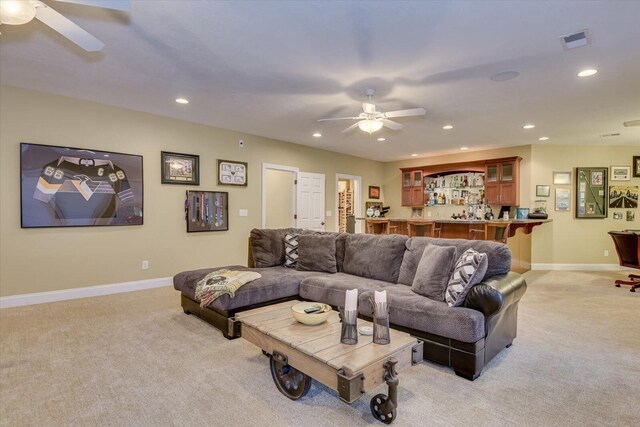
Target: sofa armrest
x,y
498,292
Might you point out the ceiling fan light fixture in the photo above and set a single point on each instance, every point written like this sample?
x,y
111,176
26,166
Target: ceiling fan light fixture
x,y
16,12
370,125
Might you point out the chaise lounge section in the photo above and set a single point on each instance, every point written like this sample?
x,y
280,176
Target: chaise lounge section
x,y
465,338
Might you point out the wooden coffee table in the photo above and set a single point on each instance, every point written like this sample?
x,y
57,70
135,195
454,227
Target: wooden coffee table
x,y
299,353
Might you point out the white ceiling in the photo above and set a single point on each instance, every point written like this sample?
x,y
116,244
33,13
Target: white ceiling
x,y
274,68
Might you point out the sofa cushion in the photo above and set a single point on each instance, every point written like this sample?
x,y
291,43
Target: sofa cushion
x,y
468,272
317,252
374,256
498,255
276,282
331,288
290,250
408,309
434,271
267,246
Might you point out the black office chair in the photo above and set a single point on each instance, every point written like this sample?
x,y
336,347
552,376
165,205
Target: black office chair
x,y
628,249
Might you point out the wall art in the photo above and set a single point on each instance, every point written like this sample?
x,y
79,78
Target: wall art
x,y
636,166
562,178
591,195
543,190
617,215
620,173
207,211
631,215
623,196
374,192
232,173
73,187
180,168
563,199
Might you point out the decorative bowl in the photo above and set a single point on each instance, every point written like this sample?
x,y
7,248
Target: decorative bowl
x,y
310,318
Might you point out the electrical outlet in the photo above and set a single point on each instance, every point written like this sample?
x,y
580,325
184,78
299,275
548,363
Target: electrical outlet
x,y
145,264
328,213
606,252
243,212
241,143
428,214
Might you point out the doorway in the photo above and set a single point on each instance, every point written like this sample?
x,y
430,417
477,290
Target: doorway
x,y
278,196
348,201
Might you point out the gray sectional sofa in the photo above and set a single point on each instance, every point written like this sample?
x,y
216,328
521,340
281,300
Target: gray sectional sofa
x,y
465,338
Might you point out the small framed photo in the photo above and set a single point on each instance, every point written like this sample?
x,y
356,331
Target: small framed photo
x,y
617,215
636,166
543,190
374,192
562,178
597,178
232,173
631,216
180,168
620,173
563,199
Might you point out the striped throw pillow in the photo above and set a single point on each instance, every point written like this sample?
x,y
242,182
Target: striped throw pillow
x,y
468,272
290,250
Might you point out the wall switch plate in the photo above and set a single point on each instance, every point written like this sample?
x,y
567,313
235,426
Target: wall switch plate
x,y
145,265
428,214
606,252
328,213
243,212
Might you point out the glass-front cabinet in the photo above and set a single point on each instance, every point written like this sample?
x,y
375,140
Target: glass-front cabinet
x,y
502,186
412,194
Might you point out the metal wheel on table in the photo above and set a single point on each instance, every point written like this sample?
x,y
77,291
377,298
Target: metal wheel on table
x,y
383,408
291,382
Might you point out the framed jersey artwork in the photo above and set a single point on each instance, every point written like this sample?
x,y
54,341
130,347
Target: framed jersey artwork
x,y
232,173
207,211
72,187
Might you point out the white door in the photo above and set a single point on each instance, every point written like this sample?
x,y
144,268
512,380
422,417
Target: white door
x,y
310,201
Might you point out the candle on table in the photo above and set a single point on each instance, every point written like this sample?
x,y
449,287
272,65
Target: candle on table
x,y
380,297
351,300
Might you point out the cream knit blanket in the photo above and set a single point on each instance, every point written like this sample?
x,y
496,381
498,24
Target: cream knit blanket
x,y
221,282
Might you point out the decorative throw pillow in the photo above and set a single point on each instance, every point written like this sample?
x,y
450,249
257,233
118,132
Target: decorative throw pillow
x,y
469,271
290,250
317,252
434,271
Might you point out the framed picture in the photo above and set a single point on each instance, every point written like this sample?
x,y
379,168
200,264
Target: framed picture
x,y
617,215
636,166
180,168
563,199
73,187
374,192
543,190
232,173
562,178
620,173
623,196
631,215
591,197
207,211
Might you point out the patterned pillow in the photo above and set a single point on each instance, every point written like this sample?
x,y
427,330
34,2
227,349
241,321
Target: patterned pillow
x,y
467,273
290,250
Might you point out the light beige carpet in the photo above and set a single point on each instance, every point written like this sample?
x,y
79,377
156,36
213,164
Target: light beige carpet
x,y
136,359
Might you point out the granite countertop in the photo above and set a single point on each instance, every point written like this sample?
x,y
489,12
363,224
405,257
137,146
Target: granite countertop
x,y
464,221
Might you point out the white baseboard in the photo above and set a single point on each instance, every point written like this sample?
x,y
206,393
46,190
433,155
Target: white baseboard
x,y
75,293
579,267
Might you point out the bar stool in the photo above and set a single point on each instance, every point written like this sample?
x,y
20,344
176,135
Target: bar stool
x,y
500,234
384,226
429,227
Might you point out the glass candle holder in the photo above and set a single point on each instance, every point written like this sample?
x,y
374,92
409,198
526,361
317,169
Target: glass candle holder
x,y
381,330
349,329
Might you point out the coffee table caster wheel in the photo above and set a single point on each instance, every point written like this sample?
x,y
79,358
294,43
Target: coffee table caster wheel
x,y
291,382
383,408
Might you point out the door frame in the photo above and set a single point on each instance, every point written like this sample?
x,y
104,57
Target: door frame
x,y
357,199
272,166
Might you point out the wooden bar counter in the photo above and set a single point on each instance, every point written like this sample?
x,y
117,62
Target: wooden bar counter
x,y
518,240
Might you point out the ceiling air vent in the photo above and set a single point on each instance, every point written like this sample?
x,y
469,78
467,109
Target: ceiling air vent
x,y
579,39
631,123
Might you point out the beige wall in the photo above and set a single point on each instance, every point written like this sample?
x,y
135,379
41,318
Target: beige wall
x,y
279,207
36,260
565,240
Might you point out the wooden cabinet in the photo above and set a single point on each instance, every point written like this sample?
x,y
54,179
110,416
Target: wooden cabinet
x,y
502,186
412,191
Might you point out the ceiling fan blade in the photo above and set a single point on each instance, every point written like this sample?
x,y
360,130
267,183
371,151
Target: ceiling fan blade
x,y
339,118
68,29
368,108
406,113
392,125
355,125
124,5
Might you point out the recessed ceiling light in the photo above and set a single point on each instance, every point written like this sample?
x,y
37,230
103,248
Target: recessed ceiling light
x,y
182,101
382,139
464,148
528,126
414,155
543,138
447,127
587,73
504,76
317,135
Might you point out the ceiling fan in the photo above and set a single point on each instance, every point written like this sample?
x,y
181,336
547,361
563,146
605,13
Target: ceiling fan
x,y
18,12
372,120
